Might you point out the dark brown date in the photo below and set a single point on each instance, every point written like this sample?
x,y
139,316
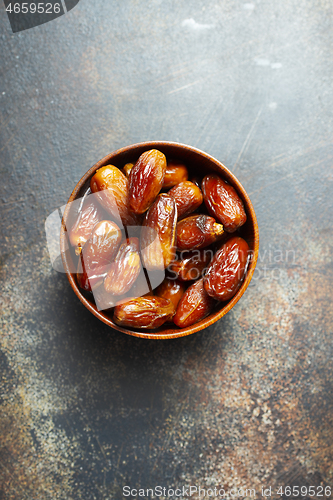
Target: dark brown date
x,y
102,245
146,179
188,198
125,269
223,203
171,289
191,265
158,233
98,252
111,188
84,224
194,306
197,231
226,271
144,312
176,172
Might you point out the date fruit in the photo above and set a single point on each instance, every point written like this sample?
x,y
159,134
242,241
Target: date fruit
x,y
223,202
194,306
226,271
111,188
87,218
176,172
144,312
158,233
191,265
171,289
102,244
188,198
125,269
146,180
197,231
98,252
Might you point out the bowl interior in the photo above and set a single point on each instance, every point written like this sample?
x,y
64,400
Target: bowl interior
x,y
198,163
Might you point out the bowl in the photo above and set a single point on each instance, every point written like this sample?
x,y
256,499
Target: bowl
x,y
197,162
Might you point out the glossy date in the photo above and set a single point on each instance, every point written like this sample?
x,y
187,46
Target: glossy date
x,y
158,233
111,188
125,269
197,231
194,306
144,312
146,180
223,202
226,271
188,198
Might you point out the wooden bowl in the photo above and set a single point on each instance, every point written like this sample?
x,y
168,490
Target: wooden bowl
x,y
197,162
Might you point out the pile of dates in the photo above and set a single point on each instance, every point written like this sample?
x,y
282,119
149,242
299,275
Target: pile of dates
x,y
148,220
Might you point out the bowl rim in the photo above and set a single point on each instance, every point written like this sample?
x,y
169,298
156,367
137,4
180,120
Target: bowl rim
x,y
171,332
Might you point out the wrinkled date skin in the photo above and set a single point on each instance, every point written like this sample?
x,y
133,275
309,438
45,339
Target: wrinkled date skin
x,y
98,252
223,203
171,289
146,180
111,186
197,231
226,271
192,265
102,244
194,306
176,172
158,233
188,198
125,269
144,312
87,218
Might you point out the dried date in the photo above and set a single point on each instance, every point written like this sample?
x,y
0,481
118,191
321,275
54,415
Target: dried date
x,y
82,228
125,269
159,232
176,172
98,253
112,190
171,289
188,198
146,180
197,231
226,271
144,312
194,306
223,202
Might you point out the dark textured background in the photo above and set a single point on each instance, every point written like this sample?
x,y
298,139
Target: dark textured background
x,y
86,410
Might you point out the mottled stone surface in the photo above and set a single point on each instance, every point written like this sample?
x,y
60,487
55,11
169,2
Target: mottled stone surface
x,y
248,402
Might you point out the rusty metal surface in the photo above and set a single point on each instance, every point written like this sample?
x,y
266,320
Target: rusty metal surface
x,y
248,402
